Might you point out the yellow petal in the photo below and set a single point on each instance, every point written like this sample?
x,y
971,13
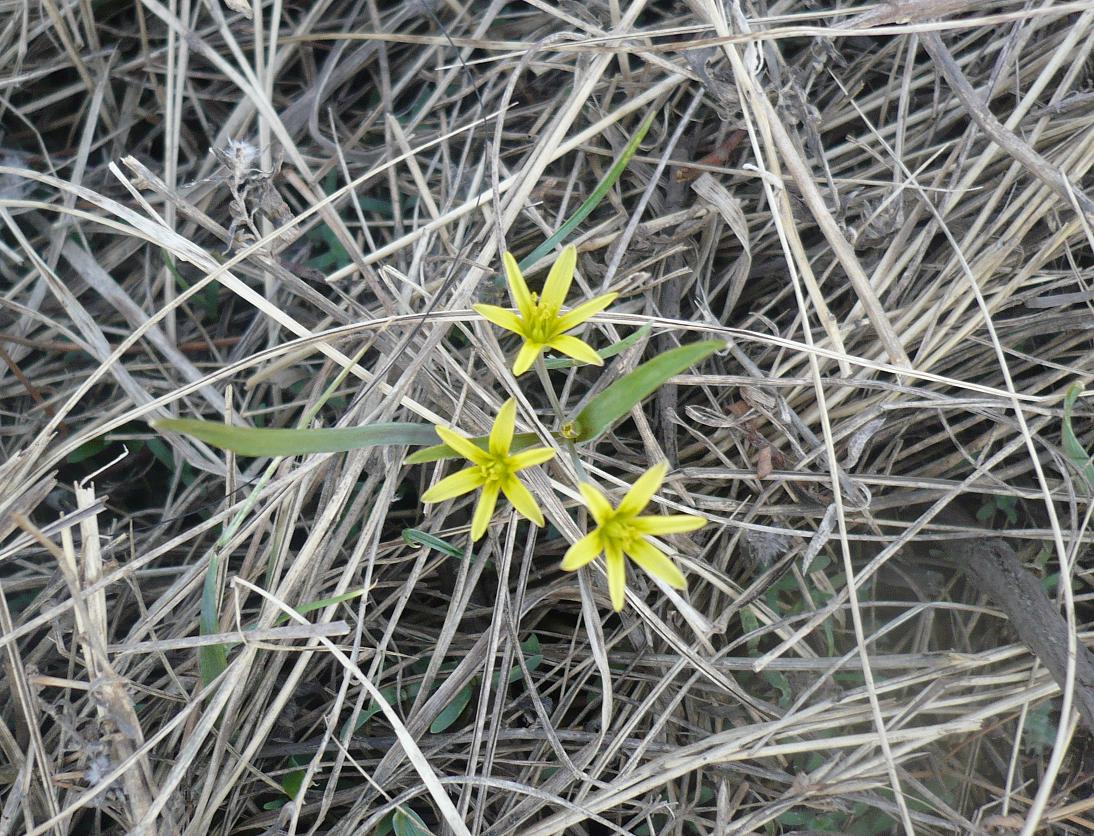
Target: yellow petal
x,y
582,312
518,288
656,563
573,347
597,503
558,280
484,510
617,575
530,458
464,446
455,485
526,357
522,500
642,491
499,316
501,434
583,552
672,524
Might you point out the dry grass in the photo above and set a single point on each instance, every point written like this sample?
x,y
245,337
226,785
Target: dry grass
x,y
905,300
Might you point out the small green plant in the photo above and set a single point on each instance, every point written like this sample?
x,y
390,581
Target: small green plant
x,y
541,323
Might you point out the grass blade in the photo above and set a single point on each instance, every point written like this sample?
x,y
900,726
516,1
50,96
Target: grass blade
x,y
1073,449
257,441
593,200
212,658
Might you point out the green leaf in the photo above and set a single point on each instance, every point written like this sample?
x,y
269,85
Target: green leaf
x,y
87,450
604,409
750,622
324,602
521,441
252,441
292,782
415,537
406,822
212,658
451,712
605,353
1072,448
593,199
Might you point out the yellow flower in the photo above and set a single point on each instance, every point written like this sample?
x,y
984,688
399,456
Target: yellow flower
x,y
620,531
539,321
493,470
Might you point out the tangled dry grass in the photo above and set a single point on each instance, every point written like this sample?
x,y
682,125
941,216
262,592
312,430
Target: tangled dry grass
x,y
882,209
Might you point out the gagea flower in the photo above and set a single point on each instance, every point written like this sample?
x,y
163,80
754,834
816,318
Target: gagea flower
x,y
493,470
539,320
621,531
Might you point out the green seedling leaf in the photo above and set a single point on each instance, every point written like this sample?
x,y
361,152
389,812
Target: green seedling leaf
x,y
212,658
533,658
252,441
521,441
593,200
405,822
749,623
1070,442
415,537
292,782
778,680
391,697
451,712
87,450
605,353
604,409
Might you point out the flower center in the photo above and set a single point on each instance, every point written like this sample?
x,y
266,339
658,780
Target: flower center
x,y
495,470
541,324
616,530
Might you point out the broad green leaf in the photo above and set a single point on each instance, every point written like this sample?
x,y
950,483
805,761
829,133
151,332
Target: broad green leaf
x,y
593,199
292,782
252,441
212,658
405,822
415,537
605,353
451,712
609,406
1073,449
521,441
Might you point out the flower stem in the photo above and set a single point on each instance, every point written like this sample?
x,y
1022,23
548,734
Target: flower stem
x,y
545,381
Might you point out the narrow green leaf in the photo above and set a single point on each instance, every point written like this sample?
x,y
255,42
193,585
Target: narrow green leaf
x,y
1073,449
605,353
451,712
212,658
521,441
252,441
325,602
593,200
416,537
604,409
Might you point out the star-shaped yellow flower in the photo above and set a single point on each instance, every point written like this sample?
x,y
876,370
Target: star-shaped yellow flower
x,y
538,319
493,470
621,531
